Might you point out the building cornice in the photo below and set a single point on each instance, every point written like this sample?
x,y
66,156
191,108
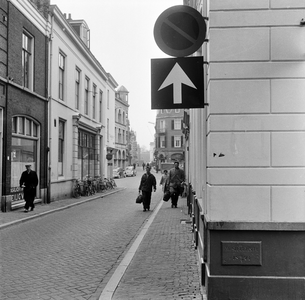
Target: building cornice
x,y
32,14
112,81
76,40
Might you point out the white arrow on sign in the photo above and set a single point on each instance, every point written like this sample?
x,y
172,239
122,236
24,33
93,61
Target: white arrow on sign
x,y
177,77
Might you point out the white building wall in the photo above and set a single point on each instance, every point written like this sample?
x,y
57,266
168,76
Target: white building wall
x,y
256,69
256,115
63,39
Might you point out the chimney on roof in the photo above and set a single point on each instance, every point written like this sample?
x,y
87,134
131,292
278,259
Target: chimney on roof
x,y
69,17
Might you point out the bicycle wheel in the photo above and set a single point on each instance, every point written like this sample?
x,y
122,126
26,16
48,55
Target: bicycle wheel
x,y
76,192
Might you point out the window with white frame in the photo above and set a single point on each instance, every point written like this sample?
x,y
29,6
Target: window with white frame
x,y
120,116
61,143
24,150
120,136
107,130
61,75
93,101
177,141
162,125
100,106
87,81
162,141
77,87
177,124
27,60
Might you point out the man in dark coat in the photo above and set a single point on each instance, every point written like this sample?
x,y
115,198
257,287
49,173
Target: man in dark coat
x,y
175,183
147,184
29,181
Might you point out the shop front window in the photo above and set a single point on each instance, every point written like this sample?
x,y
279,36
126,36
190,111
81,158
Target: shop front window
x,y
86,154
23,151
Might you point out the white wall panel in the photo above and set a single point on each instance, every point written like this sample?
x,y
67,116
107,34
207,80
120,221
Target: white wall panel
x,y
254,18
275,122
258,70
256,176
288,43
288,204
239,96
287,95
288,149
239,203
238,4
287,3
239,149
239,44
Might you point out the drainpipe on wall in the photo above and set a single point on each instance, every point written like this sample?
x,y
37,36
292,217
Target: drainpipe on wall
x,y
49,112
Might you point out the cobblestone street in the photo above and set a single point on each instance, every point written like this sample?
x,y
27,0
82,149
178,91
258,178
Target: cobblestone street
x,y
55,253
68,254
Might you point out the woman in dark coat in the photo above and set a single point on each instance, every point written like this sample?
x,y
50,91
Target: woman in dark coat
x,y
147,184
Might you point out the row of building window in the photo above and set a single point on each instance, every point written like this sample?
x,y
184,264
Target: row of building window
x,y
176,141
96,112
176,124
120,136
27,80
121,118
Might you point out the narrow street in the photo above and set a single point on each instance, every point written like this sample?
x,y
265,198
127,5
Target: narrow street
x,y
70,254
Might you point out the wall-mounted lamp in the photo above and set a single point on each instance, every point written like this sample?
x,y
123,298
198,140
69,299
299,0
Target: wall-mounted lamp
x,y
4,18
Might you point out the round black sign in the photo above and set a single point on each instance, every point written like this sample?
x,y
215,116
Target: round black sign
x,y
109,156
180,31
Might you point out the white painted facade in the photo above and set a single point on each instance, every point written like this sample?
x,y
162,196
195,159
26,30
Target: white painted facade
x,y
97,121
121,128
253,168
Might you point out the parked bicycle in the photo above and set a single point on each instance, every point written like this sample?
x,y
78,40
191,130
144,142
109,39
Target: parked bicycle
x,y
113,183
88,187
76,191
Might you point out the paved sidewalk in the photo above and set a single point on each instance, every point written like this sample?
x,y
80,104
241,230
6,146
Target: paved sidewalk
x,y
164,265
18,215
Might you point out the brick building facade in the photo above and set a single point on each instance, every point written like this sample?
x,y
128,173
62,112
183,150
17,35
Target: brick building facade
x,y
24,103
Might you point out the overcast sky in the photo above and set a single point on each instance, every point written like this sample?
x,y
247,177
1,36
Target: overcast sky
x,y
122,40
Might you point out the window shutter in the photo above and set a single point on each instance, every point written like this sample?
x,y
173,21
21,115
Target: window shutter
x,y
181,124
159,146
181,141
165,142
173,124
173,142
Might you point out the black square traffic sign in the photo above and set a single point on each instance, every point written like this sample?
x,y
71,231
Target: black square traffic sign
x,y
177,83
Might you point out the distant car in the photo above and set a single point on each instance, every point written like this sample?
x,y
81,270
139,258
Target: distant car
x,y
118,173
130,171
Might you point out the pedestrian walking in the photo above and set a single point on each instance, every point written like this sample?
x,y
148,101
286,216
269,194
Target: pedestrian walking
x,y
163,180
143,165
29,181
147,184
175,182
